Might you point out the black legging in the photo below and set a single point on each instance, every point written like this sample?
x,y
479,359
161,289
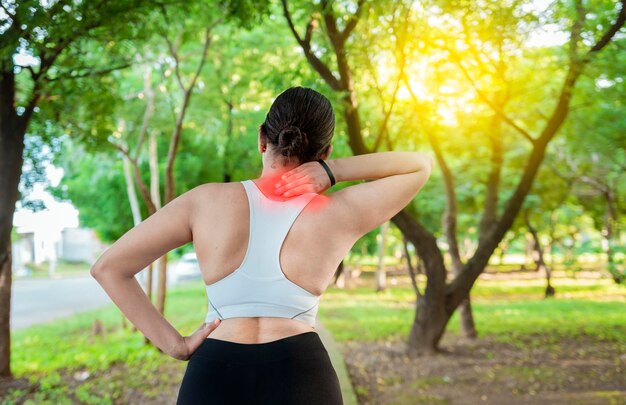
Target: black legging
x,y
289,371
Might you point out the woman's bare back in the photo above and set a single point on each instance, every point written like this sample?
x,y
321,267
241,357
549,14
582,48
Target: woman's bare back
x,y
309,257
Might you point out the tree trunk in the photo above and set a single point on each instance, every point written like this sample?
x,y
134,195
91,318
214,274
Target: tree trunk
x,y
528,251
552,237
5,303
12,130
412,272
162,284
229,140
130,191
149,281
134,205
155,197
347,275
428,326
431,315
381,276
538,256
338,278
468,327
502,253
610,218
441,299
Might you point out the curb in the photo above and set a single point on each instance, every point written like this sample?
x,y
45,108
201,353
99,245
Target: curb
x,y
336,358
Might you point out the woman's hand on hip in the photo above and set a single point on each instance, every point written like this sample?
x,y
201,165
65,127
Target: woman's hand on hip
x,y
309,177
189,344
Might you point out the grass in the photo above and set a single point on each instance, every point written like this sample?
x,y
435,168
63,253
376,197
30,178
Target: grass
x,y
43,353
508,310
68,343
63,268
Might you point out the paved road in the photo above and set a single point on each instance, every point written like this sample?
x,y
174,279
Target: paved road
x,y
35,301
40,300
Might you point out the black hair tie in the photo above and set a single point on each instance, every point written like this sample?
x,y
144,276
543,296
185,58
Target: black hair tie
x,y
330,174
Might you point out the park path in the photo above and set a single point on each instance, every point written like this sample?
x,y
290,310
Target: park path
x,y
347,390
41,300
38,300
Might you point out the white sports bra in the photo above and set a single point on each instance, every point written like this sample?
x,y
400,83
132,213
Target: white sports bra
x,y
259,287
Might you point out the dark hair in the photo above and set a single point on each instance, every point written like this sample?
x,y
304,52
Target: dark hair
x,y
300,125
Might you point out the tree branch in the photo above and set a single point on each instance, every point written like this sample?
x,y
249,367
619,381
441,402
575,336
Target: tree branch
x,y
177,132
69,75
207,42
149,108
305,44
490,103
330,19
610,33
143,189
413,276
401,62
460,286
122,149
29,68
174,52
353,21
450,215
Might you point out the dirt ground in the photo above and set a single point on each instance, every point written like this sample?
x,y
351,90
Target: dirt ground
x,y
479,372
580,371
160,389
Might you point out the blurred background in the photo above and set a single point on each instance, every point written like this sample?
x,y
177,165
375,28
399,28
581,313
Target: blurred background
x,y
501,282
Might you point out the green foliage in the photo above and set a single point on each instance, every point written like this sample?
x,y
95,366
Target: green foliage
x,y
247,12
98,188
243,72
246,68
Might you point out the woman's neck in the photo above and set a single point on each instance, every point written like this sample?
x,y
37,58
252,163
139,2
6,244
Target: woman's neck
x,y
270,176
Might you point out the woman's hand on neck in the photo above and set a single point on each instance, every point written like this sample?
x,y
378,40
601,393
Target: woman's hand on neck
x,y
272,172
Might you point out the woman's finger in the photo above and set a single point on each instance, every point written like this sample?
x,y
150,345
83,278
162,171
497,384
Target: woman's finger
x,y
194,340
302,181
288,180
291,177
299,170
291,172
305,188
291,184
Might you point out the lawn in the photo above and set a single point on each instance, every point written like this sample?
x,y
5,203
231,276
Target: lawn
x,y
565,350
65,361
505,309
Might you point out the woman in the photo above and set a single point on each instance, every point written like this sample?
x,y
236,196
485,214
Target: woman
x,y
268,248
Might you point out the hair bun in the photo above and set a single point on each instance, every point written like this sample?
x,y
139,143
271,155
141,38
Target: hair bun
x,y
292,141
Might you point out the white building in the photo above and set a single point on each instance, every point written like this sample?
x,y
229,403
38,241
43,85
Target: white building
x,y
72,244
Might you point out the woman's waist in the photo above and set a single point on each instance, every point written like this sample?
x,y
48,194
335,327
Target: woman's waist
x,y
256,330
293,345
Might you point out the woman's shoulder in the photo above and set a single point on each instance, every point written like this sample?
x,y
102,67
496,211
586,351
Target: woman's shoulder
x,y
214,190
212,197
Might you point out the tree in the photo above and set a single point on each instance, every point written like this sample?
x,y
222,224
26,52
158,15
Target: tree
x,y
47,51
330,56
186,82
